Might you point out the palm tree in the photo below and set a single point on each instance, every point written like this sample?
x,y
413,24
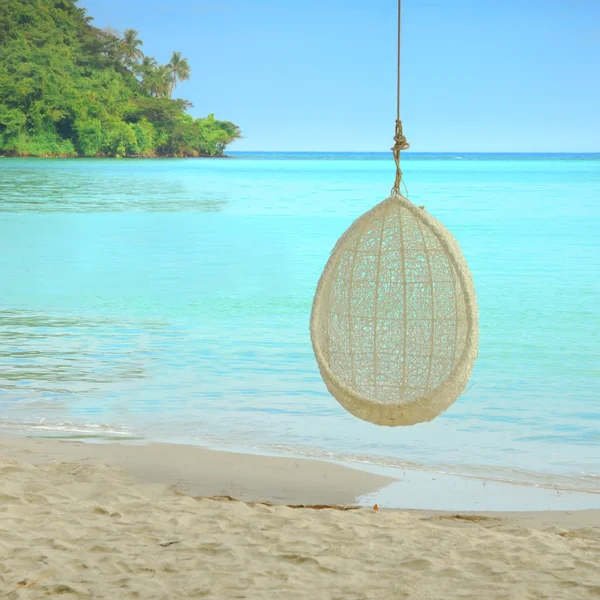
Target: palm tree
x,y
131,47
157,80
147,65
179,69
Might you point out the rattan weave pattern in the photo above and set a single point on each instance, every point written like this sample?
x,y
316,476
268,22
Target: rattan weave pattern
x,y
394,324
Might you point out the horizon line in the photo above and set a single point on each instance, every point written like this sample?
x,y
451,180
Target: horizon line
x,y
407,152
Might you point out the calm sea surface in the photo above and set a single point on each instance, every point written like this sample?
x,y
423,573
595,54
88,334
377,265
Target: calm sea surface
x,y
170,299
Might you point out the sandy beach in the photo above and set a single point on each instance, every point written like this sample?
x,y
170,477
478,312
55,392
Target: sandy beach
x,y
114,521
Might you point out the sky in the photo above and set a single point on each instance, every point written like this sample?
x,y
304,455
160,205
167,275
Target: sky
x,y
320,75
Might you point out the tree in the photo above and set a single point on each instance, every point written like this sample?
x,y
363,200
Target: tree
x,y
68,88
157,81
144,71
146,66
179,69
131,44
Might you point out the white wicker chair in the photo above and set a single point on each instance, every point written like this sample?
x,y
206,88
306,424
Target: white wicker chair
x,y
394,324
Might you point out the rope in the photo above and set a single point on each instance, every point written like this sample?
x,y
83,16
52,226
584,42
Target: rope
x,y
398,63
400,142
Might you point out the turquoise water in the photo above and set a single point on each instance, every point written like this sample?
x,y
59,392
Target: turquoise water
x,y
170,299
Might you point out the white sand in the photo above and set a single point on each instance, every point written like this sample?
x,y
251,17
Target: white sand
x,y
72,527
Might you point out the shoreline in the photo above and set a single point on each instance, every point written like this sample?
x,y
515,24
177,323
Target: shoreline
x,y
380,154
285,479
490,488
63,156
197,471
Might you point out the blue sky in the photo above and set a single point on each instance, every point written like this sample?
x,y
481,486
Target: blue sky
x,y
477,75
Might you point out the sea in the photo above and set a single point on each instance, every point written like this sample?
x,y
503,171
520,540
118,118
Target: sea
x,y
151,299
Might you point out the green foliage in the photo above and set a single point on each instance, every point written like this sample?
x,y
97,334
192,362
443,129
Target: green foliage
x,y
145,136
89,134
120,140
70,89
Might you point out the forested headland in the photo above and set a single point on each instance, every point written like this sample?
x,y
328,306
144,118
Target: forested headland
x,y
68,88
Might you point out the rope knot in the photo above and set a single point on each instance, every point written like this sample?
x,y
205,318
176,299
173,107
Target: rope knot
x,y
400,140
400,143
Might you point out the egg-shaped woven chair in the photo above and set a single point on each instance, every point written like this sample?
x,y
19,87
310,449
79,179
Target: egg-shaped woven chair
x,y
394,323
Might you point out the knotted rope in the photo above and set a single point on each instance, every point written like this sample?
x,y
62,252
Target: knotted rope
x,y
399,145
400,142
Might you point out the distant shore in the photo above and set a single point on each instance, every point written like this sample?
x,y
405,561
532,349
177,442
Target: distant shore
x,y
106,156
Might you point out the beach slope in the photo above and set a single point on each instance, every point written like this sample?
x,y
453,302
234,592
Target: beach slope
x,y
74,524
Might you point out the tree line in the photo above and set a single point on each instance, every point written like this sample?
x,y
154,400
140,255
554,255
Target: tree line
x,y
68,88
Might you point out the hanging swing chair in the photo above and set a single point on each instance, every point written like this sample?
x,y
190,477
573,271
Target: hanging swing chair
x,y
394,323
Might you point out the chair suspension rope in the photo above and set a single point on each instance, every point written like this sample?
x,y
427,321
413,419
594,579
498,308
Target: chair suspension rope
x,y
400,142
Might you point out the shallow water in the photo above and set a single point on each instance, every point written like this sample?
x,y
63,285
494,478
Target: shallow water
x,y
170,299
